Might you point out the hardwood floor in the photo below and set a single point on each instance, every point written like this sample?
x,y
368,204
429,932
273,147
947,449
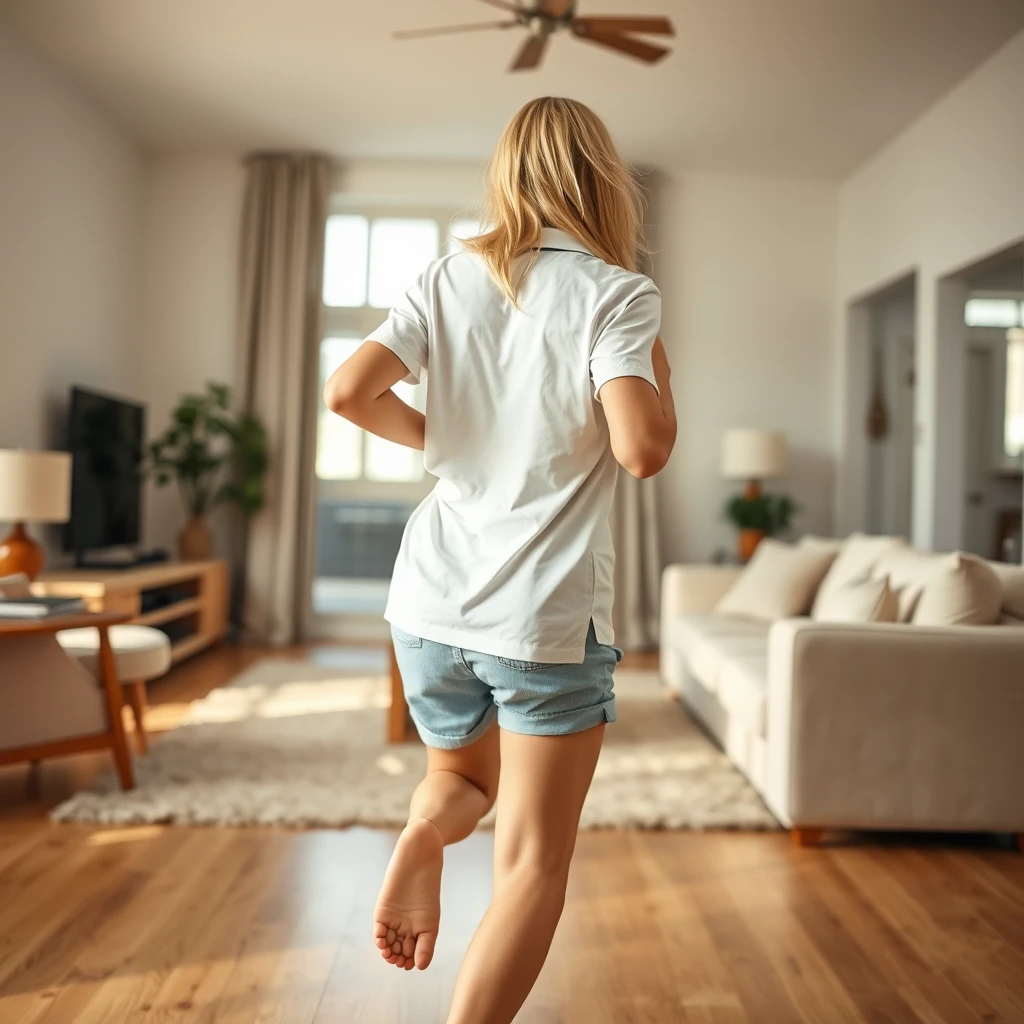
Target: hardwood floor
x,y
216,926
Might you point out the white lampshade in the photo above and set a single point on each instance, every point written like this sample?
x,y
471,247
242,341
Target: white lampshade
x,y
35,487
753,454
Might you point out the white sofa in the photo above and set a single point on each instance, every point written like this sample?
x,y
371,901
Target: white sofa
x,y
880,726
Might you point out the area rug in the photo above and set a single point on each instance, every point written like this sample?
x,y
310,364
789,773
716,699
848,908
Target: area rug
x,y
299,744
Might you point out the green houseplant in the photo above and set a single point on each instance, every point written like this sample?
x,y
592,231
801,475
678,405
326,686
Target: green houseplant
x,y
757,516
214,456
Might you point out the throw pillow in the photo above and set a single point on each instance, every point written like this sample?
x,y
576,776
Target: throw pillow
x,y
908,570
965,591
1012,579
865,601
778,582
855,561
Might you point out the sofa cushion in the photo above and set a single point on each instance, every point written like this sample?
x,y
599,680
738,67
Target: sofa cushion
x,y
779,582
1012,579
964,591
743,688
908,571
855,561
708,641
866,601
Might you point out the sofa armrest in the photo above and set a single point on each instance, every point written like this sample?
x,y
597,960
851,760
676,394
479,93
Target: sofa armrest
x,y
694,589
896,726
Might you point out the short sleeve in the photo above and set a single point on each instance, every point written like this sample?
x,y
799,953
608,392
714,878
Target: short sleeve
x,y
405,332
627,327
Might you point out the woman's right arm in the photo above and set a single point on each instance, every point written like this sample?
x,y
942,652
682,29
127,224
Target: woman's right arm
x,y
641,421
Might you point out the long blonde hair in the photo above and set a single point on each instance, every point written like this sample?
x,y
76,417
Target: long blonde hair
x,y
556,166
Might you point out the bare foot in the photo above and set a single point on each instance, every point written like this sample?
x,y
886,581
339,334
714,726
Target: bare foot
x,y
409,906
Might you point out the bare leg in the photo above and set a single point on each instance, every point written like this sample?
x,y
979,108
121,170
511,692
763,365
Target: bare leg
x,y
457,792
544,780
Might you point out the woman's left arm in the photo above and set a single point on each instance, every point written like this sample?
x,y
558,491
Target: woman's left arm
x,y
360,391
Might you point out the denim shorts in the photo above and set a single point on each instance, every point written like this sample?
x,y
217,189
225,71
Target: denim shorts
x,y
454,694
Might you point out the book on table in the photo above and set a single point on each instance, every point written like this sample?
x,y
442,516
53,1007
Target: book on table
x,y
39,607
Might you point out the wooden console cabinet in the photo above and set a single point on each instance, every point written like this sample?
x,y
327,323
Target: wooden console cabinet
x,y
187,600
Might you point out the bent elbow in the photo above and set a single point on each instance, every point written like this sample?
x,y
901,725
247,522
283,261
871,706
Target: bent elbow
x,y
341,400
645,462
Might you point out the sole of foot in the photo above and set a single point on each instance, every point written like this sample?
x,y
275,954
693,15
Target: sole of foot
x,y
408,910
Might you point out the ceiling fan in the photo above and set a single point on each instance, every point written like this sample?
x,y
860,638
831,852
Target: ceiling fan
x,y
543,18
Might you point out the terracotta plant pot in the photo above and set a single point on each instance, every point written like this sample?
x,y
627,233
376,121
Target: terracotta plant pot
x,y
748,541
195,542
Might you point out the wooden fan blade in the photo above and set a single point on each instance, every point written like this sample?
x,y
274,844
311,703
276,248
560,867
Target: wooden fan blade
x,y
531,52
555,8
624,44
613,26
476,26
505,5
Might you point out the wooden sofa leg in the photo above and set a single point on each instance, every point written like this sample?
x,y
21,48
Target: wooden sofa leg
x,y
804,836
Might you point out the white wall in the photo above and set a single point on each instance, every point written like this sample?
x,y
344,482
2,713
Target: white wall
x,y
747,274
193,218
947,192
71,195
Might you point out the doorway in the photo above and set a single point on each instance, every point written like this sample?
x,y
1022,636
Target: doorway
x,y
994,409
889,415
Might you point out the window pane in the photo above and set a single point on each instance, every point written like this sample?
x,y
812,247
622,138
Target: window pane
x,y
386,460
399,250
345,247
992,313
339,443
1014,428
460,229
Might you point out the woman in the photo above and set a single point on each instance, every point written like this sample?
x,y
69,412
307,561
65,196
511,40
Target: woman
x,y
546,373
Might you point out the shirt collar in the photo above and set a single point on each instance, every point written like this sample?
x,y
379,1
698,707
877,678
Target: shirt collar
x,y
552,238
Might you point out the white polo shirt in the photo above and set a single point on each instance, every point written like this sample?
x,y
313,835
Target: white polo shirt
x,y
511,553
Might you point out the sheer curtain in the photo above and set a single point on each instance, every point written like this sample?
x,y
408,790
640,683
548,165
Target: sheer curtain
x,y
279,326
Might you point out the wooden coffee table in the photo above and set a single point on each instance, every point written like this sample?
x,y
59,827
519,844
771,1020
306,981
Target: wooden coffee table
x,y
114,738
400,727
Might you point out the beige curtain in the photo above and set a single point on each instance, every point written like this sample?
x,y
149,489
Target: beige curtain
x,y
634,525
279,327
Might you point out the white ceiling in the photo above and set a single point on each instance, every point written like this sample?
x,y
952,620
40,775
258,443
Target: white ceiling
x,y
790,87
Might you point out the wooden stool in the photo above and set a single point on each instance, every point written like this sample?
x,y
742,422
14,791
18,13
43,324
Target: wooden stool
x,y
141,653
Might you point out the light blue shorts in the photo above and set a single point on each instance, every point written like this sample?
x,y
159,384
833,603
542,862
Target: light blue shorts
x,y
454,694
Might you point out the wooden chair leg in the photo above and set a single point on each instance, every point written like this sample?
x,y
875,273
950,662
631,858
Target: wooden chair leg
x,y
135,694
115,701
803,836
1020,841
399,730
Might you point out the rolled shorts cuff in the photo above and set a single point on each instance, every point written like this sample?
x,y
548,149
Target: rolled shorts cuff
x,y
561,723
440,742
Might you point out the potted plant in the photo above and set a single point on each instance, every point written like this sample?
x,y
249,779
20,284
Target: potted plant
x,y
214,456
756,517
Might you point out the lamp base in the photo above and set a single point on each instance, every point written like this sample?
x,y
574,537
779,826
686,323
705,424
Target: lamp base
x,y
19,553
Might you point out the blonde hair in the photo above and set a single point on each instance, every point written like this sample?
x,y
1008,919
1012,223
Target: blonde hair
x,y
556,166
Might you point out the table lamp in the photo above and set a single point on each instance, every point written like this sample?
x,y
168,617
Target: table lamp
x,y
35,487
753,456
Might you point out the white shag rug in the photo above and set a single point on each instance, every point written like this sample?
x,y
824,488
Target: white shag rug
x,y
299,744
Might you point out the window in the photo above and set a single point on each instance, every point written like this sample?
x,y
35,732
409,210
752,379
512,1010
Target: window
x,y
369,262
1013,437
994,313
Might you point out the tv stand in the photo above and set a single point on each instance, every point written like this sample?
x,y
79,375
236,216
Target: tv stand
x,y
186,600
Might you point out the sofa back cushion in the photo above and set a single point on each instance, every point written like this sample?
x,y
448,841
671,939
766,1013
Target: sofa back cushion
x,y
779,582
866,601
907,570
855,562
1012,579
964,591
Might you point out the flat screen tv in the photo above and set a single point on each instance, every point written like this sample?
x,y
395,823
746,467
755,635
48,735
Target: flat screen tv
x,y
106,437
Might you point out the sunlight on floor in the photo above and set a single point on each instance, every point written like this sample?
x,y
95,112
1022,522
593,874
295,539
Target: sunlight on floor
x,y
287,700
108,837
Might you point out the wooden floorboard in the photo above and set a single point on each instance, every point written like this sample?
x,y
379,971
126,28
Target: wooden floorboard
x,y
162,925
